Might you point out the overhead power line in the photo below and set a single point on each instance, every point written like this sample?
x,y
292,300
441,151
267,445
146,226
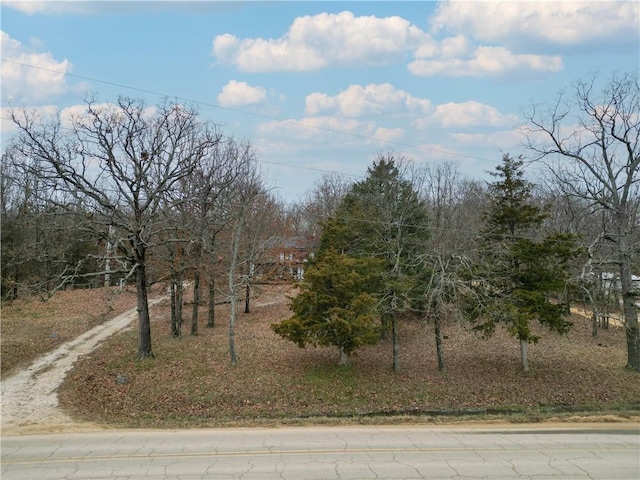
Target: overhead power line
x,y
252,114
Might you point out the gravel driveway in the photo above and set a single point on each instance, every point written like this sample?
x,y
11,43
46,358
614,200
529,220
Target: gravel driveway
x,y
30,397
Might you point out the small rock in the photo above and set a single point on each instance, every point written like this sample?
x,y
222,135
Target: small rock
x,y
121,379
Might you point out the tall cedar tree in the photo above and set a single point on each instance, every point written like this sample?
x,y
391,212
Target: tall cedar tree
x,y
368,257
382,217
520,271
334,307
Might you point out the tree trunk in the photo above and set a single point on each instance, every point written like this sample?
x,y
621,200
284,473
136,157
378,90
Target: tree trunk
x,y
14,287
594,313
179,301
396,345
630,314
107,266
344,358
232,328
523,355
196,302
247,299
567,305
211,312
385,325
233,286
144,344
175,331
439,346
107,262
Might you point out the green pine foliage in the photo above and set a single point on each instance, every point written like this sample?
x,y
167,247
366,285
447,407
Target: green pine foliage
x,y
366,267
335,306
520,270
383,217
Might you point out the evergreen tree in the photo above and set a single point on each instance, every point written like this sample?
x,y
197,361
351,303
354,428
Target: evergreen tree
x,y
383,217
520,271
367,264
334,307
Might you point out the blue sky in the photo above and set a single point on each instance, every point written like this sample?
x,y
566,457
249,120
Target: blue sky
x,y
323,86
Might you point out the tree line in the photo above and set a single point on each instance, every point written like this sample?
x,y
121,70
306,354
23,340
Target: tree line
x,y
130,194
509,252
127,193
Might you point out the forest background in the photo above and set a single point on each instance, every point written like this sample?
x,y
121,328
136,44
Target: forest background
x,y
132,198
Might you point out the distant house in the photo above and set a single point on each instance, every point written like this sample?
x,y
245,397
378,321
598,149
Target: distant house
x,y
285,258
611,282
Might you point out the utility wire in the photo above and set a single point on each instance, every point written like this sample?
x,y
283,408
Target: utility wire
x,y
267,117
426,227
244,112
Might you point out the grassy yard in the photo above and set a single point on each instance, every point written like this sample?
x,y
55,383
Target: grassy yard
x,y
31,327
191,382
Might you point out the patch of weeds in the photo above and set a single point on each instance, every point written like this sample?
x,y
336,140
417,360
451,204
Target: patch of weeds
x,y
330,374
146,364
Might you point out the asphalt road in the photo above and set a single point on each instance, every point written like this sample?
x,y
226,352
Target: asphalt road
x,y
565,451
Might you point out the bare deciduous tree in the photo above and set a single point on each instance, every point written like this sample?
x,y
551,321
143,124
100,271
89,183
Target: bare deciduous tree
x,y
265,224
119,162
247,189
211,188
43,248
591,144
454,212
323,200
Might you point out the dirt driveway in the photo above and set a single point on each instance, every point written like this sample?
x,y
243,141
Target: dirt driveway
x,y
30,398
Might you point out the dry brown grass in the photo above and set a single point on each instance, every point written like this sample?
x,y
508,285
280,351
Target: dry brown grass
x,y
191,383
31,327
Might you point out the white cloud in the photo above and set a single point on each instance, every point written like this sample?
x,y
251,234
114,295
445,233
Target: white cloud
x,y
389,134
437,152
465,115
68,116
97,7
504,140
316,103
39,113
446,48
317,129
347,142
236,94
7,127
317,41
323,40
32,7
487,61
554,22
78,113
258,55
373,99
45,77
